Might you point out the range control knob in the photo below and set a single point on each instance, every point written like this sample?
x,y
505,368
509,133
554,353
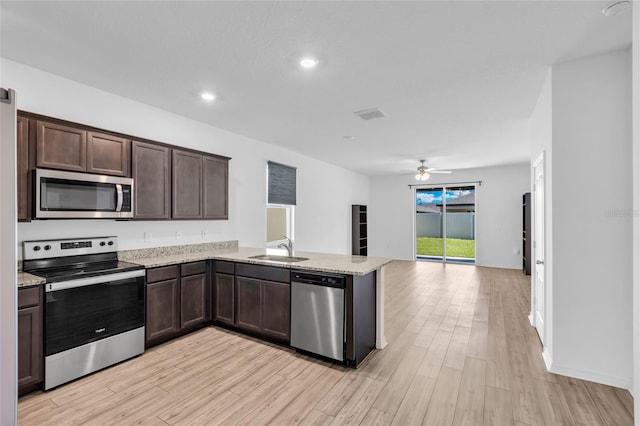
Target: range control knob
x,y
102,243
47,247
110,243
36,248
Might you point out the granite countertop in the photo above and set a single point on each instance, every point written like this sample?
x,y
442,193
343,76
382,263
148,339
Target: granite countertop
x,y
322,262
25,279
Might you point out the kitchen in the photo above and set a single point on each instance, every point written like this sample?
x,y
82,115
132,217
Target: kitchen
x,y
321,226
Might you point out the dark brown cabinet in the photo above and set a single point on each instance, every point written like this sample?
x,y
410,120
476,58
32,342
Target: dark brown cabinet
x,y
194,300
215,184
70,148
61,147
186,185
263,300
30,338
108,154
276,312
163,306
249,304
199,186
224,293
359,230
23,177
178,300
151,171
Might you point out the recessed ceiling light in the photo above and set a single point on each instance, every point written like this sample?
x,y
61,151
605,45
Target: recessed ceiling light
x,y
349,137
207,96
308,62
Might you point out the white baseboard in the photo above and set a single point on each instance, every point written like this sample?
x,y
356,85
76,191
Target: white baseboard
x,y
546,358
530,316
592,376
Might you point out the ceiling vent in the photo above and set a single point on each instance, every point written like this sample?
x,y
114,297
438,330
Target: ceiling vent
x,y
369,114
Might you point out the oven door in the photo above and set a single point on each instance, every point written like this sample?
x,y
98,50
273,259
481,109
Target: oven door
x,y
90,309
72,195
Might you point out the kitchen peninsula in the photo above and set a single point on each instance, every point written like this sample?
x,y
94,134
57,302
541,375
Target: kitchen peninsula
x,y
228,254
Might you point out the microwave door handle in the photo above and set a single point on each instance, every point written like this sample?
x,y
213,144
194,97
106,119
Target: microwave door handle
x,y
119,198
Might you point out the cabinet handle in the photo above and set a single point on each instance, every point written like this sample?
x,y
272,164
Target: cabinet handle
x,y
539,262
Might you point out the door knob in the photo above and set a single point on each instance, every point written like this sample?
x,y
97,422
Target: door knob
x,y
539,262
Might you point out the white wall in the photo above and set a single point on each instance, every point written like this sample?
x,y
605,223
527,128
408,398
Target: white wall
x,y
498,214
325,192
592,218
541,143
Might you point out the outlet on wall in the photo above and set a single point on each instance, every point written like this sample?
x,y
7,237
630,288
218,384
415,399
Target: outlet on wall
x,y
178,235
148,236
203,234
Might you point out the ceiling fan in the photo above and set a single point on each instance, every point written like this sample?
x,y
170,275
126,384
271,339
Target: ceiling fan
x,y
423,172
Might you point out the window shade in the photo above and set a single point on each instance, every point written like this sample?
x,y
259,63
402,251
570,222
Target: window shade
x,y
281,188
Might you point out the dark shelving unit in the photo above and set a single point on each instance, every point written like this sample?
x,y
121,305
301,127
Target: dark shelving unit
x,y
359,230
526,233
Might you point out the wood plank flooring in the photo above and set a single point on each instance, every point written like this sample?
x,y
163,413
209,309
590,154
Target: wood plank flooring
x,y
461,352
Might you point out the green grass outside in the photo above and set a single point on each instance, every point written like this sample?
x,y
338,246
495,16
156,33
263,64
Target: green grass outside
x,y
428,246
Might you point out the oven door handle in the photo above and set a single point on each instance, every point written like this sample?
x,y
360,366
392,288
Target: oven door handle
x,y
100,279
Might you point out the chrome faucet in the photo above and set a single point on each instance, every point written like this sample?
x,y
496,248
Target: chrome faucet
x,y
288,246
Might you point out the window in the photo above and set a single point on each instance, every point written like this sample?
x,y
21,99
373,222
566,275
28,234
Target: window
x,y
281,199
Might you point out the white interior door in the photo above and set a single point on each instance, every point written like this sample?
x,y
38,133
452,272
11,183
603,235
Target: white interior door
x,y
538,248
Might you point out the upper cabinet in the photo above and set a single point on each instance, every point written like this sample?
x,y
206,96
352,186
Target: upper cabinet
x,y
187,185
151,172
199,185
215,184
71,148
168,182
108,154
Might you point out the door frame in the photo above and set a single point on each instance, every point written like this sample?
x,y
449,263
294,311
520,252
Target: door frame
x,y
539,220
443,186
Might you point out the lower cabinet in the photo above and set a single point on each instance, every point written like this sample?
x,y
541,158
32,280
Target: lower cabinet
x,y
178,300
30,339
261,300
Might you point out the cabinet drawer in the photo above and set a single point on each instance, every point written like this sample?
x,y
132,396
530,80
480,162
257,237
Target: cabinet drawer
x,y
162,273
269,273
225,267
193,268
28,297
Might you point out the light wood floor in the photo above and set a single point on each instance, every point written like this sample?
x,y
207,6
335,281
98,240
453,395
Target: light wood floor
x,y
461,351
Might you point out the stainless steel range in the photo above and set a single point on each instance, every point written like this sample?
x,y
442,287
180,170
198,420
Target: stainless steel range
x,y
94,305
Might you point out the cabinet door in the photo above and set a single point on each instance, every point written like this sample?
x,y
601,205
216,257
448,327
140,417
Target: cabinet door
x,y
248,304
30,354
151,169
24,189
193,300
108,154
223,298
215,188
276,309
163,309
61,147
187,185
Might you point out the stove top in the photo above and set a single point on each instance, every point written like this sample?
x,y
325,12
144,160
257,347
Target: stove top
x,y
70,259
72,272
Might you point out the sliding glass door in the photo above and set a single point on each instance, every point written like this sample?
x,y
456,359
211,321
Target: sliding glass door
x,y
445,223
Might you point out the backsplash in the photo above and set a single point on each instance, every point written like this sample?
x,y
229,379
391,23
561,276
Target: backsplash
x,y
132,255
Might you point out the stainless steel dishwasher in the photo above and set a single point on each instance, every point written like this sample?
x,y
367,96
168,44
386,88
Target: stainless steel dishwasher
x,y
317,313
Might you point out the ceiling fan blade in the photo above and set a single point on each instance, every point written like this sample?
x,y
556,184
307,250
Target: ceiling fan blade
x,y
440,171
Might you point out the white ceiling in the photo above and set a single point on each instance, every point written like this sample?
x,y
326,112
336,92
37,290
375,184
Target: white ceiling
x,y
456,80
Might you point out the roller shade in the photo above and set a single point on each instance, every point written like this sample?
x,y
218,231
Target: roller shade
x,y
281,187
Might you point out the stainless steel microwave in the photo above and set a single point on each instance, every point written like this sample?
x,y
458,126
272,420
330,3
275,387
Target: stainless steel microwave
x,y
71,195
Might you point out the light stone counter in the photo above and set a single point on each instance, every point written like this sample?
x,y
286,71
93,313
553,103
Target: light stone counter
x,y
319,262
25,280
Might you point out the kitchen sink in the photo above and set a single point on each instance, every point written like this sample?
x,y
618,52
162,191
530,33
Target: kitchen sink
x,y
278,258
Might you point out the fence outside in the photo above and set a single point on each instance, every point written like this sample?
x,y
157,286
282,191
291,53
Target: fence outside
x,y
459,225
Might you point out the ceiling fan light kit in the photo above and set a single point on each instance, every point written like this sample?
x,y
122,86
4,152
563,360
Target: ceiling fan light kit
x,y
423,172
